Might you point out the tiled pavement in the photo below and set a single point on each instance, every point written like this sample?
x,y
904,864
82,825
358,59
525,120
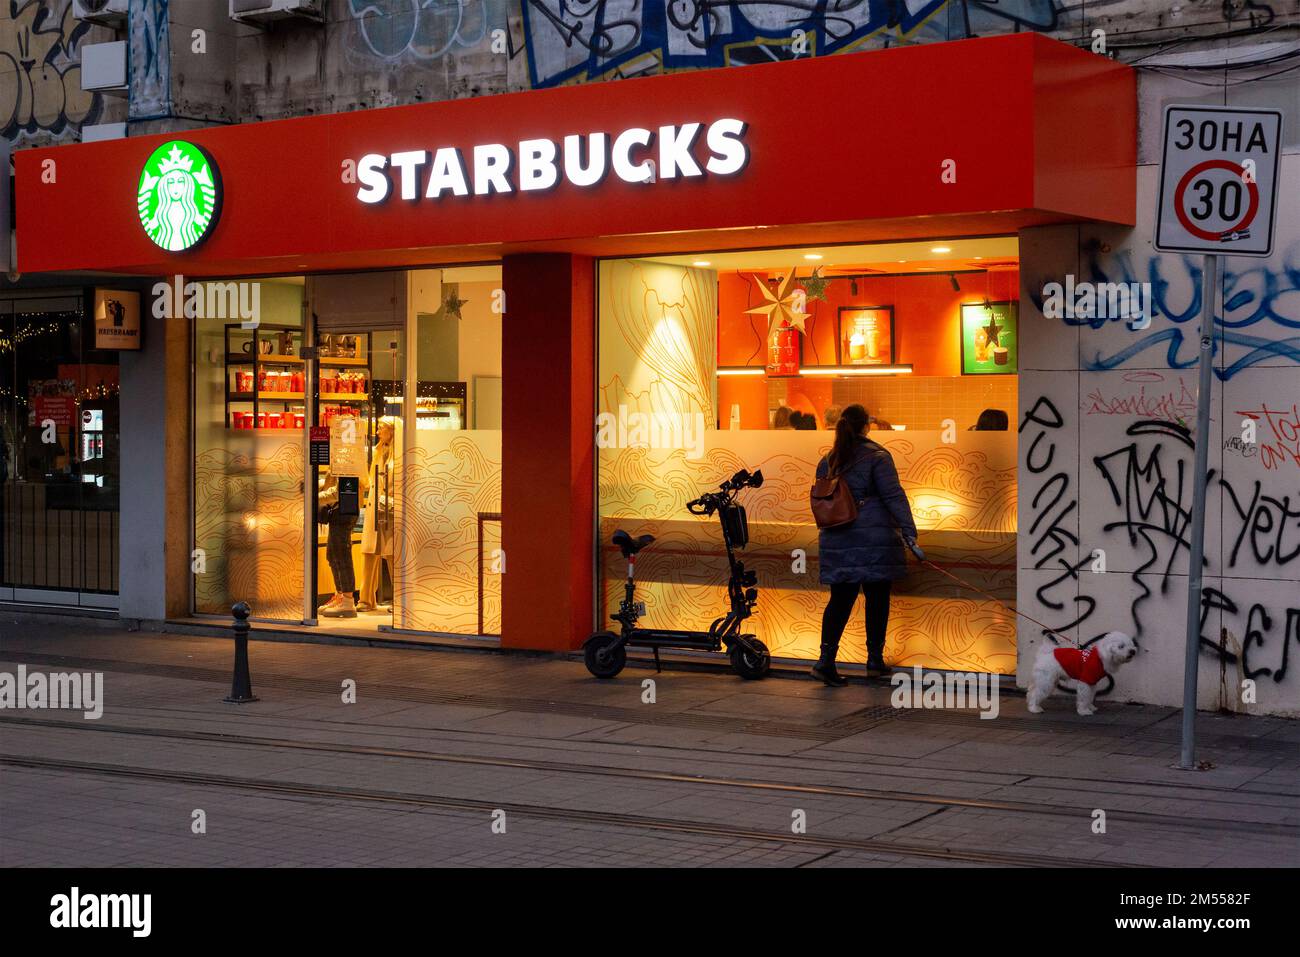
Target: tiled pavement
x,y
715,772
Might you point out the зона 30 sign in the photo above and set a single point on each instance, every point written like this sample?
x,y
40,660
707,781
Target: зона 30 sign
x,y
635,155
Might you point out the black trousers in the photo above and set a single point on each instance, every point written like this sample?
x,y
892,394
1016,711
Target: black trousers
x,y
836,616
338,552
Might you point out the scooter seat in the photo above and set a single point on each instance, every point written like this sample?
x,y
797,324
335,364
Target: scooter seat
x,y
629,545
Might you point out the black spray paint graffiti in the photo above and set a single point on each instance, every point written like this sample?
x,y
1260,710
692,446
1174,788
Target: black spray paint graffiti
x,y
1053,503
1149,481
1258,621
1154,495
1155,516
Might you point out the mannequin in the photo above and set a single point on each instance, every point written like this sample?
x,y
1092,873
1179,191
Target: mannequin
x,y
377,528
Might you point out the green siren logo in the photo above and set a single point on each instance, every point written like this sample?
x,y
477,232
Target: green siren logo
x,y
179,198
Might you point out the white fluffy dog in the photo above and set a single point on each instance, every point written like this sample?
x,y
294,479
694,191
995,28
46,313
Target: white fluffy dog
x,y
1080,669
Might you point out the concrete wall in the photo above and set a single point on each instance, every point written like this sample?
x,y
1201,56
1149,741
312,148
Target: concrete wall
x,y
1106,461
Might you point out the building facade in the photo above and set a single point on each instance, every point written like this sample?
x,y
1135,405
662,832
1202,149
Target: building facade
x,y
522,287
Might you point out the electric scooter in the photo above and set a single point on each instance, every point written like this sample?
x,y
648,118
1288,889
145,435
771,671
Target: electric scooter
x,y
605,652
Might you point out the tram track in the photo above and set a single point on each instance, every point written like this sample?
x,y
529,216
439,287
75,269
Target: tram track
x,y
875,846
937,801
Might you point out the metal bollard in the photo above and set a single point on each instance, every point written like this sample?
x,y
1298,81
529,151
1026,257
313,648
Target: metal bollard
x,y
241,687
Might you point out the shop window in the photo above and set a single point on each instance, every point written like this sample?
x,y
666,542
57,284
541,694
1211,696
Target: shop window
x,y
249,422
715,362
399,372
448,551
59,454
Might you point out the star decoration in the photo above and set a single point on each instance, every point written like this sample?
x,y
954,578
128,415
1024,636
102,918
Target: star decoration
x,y
992,330
780,306
454,303
815,285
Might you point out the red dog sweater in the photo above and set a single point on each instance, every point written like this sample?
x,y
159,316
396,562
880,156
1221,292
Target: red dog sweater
x,y
1081,664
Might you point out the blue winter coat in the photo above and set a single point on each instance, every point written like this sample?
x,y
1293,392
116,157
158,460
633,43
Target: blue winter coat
x,y
868,550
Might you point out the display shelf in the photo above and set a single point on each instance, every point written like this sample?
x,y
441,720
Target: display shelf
x,y
345,397
270,359
277,337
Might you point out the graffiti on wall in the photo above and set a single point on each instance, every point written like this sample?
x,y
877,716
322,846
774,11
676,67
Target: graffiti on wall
x,y
422,30
568,40
1147,506
40,72
150,39
1259,324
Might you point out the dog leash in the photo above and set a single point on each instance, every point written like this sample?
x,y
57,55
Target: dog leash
x,y
920,557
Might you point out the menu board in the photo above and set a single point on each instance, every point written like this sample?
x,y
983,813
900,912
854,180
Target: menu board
x,y
988,338
866,335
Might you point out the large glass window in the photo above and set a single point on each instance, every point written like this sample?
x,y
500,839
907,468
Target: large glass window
x,y
367,406
711,363
249,423
59,454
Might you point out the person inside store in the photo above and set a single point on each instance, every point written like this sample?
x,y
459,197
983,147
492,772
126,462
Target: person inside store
x,y
831,416
377,521
865,555
804,421
880,425
781,420
338,552
990,420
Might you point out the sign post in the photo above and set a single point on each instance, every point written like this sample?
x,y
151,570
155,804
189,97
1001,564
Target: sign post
x,y
1218,196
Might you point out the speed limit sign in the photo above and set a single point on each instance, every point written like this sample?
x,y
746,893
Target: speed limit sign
x,y
1218,181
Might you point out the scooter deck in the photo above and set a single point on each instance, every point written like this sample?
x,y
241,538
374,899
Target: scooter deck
x,y
669,638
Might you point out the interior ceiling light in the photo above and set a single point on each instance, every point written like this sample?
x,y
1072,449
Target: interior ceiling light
x,y
813,256
899,368
701,262
940,249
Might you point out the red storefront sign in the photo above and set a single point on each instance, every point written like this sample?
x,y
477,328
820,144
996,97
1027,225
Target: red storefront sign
x,y
979,136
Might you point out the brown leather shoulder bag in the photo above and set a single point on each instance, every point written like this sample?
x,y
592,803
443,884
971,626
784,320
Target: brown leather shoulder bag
x,y
832,503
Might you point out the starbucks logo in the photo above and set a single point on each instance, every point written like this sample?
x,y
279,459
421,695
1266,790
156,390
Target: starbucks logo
x,y
179,198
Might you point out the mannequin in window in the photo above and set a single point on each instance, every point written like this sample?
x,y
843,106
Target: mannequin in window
x,y
377,527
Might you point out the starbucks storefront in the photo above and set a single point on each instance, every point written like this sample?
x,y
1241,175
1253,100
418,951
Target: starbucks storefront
x,y
376,362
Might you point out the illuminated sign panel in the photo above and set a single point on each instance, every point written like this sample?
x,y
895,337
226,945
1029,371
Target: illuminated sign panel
x,y
178,196
636,155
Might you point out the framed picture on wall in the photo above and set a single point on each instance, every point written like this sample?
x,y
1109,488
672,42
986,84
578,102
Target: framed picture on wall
x,y
865,336
989,338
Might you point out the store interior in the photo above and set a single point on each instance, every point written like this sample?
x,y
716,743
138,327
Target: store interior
x,y
405,528
764,345
757,346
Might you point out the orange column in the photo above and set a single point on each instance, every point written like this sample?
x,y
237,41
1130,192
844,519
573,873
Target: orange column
x,y
548,450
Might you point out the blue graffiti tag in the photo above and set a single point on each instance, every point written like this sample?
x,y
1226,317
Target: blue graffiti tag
x,y
1263,298
569,40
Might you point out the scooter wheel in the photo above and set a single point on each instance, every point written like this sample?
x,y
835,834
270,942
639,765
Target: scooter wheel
x,y
751,665
604,655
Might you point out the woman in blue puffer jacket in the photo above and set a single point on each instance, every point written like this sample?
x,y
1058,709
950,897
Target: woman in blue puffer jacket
x,y
867,554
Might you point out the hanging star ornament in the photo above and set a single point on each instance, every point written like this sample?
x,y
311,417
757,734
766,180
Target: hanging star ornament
x,y
815,285
454,304
781,306
992,329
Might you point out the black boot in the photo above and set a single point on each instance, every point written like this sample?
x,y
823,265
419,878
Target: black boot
x,y
876,667
824,669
